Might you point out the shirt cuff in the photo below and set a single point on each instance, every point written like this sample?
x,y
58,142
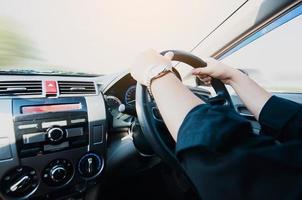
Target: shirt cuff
x,y
276,113
212,128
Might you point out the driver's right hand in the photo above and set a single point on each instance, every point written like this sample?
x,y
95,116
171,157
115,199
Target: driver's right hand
x,y
145,61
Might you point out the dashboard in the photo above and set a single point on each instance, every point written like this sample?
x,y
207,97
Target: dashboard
x,y
61,135
55,133
53,136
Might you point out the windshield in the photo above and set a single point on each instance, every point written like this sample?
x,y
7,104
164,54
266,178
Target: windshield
x,y
98,36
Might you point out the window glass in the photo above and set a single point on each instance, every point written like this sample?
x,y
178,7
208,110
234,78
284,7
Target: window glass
x,y
273,55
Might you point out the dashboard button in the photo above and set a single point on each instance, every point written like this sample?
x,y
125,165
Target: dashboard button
x,y
27,126
54,123
33,138
50,87
56,147
77,121
74,132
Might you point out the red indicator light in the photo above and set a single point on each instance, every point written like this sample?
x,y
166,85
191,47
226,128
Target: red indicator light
x,y
50,87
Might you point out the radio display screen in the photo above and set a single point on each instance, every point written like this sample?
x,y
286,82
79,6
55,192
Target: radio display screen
x,y
50,108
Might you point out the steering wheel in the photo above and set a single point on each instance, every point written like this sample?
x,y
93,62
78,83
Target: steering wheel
x,y
153,129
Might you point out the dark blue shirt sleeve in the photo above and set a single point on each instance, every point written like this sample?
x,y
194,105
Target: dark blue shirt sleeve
x,y
282,119
213,128
225,160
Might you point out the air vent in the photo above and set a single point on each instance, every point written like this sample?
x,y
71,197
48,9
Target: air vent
x,y
76,87
20,88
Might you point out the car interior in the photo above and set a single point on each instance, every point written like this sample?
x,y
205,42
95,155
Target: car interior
x,y
69,134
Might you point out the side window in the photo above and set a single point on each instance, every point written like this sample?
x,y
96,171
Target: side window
x,y
273,55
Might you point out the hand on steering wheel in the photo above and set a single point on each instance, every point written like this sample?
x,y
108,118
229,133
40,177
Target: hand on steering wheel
x,y
145,106
214,69
145,61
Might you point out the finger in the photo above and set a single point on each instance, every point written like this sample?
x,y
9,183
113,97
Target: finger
x,y
202,76
169,55
207,83
207,80
201,71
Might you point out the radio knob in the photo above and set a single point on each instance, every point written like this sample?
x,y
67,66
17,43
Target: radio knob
x,y
55,134
58,173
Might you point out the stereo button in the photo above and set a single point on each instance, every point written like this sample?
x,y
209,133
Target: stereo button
x,y
76,121
33,138
73,132
27,126
54,123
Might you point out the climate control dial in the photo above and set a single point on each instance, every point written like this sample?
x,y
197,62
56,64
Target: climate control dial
x,y
19,182
58,172
90,165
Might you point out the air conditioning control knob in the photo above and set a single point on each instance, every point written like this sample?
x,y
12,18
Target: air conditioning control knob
x,y
58,173
55,134
19,182
90,165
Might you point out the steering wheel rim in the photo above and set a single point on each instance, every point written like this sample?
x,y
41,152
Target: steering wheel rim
x,y
145,105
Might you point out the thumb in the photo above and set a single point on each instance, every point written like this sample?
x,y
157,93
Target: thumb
x,y
169,55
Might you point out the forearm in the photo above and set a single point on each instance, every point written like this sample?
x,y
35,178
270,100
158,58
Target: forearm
x,y
252,95
174,101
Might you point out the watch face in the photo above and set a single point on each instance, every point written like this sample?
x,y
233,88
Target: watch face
x,y
169,68
156,70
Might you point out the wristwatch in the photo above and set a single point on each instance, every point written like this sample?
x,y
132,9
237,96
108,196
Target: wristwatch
x,y
156,72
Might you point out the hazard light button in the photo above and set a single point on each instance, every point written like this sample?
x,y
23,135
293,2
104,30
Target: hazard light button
x,y
51,87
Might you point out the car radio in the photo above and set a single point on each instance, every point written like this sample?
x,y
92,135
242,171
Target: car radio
x,y
44,125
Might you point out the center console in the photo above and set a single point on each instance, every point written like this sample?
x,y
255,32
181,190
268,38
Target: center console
x,y
51,146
